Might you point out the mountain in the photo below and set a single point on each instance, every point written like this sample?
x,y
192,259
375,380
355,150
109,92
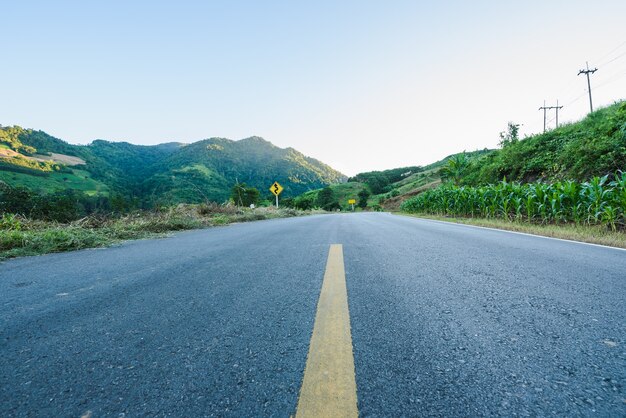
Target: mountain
x,y
167,173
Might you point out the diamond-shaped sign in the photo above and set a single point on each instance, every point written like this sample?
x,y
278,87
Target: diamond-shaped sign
x,y
276,188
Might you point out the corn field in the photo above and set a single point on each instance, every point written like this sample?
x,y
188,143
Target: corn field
x,y
595,202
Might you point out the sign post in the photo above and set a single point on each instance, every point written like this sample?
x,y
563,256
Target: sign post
x,y
276,189
352,202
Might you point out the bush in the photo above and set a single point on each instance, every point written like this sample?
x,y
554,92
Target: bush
x,y
363,196
10,222
12,239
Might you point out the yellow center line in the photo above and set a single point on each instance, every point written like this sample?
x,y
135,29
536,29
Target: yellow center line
x,y
329,386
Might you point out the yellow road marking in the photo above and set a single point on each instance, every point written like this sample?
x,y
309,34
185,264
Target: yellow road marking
x,y
329,386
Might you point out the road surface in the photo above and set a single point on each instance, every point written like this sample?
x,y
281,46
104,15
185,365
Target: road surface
x,y
445,320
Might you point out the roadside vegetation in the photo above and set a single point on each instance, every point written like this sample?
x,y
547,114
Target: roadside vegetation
x,y
21,236
592,147
569,182
596,202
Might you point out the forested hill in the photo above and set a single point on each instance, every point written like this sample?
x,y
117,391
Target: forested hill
x,y
161,174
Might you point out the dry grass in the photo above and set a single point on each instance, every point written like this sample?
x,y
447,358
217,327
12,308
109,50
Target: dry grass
x,y
21,236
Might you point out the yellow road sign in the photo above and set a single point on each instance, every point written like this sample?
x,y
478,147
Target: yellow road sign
x,y
351,201
276,188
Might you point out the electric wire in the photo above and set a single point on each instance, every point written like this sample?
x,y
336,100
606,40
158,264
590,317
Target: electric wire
x,y
599,60
611,80
602,62
614,59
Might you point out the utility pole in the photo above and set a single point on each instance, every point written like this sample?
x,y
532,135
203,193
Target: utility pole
x,y
586,72
546,108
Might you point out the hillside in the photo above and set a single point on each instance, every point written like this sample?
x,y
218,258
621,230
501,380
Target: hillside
x,y
387,188
594,146
210,164
154,175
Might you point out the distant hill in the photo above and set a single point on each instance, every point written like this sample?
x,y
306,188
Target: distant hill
x,y
167,173
388,188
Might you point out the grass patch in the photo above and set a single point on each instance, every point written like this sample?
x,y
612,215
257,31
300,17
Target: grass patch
x,y
592,234
23,237
73,179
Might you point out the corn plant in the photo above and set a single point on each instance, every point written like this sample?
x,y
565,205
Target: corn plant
x,y
594,202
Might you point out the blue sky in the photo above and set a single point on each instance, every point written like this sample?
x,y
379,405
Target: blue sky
x,y
360,85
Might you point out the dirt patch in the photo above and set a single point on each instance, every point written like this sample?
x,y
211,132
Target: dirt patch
x,y
57,158
60,158
8,153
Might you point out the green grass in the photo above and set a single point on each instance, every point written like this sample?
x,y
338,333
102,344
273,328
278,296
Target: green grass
x,y
417,181
583,233
346,191
201,168
25,237
77,180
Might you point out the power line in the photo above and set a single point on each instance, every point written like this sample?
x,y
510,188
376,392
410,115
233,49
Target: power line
x,y
586,72
614,59
609,53
568,87
580,96
611,80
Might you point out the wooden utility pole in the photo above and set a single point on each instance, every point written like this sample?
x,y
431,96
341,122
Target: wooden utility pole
x,y
586,72
546,108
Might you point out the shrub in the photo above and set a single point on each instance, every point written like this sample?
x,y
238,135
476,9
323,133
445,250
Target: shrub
x,y
10,222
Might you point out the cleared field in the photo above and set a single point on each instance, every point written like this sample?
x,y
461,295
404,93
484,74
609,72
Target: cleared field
x,y
6,152
60,158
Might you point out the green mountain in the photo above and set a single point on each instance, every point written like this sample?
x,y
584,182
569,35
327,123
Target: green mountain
x,y
161,174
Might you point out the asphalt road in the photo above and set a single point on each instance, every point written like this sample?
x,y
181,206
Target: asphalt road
x,y
447,320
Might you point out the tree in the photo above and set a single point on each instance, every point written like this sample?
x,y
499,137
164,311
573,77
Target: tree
x,y
455,169
304,202
326,199
363,196
377,182
18,200
243,195
510,136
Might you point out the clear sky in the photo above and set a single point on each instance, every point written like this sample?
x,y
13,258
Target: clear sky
x,y
361,85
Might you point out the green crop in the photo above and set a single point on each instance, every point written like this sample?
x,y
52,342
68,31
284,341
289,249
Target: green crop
x,y
595,202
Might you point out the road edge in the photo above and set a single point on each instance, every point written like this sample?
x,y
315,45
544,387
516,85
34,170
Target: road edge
x,y
452,222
